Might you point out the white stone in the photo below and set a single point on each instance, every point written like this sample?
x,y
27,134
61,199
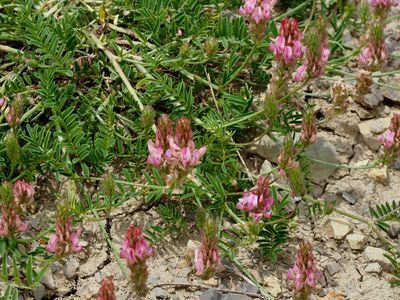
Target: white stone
x,y
373,254
338,227
373,268
356,241
379,175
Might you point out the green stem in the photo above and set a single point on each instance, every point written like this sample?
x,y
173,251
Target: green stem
x,y
291,11
242,66
345,166
156,187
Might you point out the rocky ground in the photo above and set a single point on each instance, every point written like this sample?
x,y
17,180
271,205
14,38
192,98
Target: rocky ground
x,y
347,251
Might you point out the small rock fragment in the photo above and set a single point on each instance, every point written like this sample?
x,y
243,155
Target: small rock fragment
x,y
39,292
379,175
273,285
349,197
188,260
70,268
249,287
48,280
210,294
333,268
266,168
394,229
356,241
371,129
373,268
232,296
338,227
211,282
373,254
160,293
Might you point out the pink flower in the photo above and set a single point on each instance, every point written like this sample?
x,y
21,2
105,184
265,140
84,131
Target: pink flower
x,y
155,154
207,259
257,201
65,241
198,261
325,55
365,57
287,47
23,194
10,222
107,291
300,73
257,11
135,248
175,155
304,273
387,138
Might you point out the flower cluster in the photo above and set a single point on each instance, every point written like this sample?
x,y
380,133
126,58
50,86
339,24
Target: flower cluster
x,y
107,291
12,199
390,140
374,55
207,259
65,241
136,250
23,195
304,273
10,222
258,201
316,53
339,94
258,13
309,126
287,47
175,155
383,4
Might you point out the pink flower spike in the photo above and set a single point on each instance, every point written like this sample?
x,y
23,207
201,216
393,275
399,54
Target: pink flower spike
x,y
198,261
248,202
325,55
300,73
107,290
387,138
155,154
52,244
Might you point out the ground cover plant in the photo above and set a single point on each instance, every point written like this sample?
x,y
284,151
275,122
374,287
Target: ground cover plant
x,y
180,148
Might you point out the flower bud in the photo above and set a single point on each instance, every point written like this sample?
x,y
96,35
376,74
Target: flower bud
x,y
147,117
13,149
184,51
108,186
211,46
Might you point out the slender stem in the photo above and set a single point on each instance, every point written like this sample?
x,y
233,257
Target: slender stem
x,y
156,187
308,22
4,48
345,166
242,66
291,11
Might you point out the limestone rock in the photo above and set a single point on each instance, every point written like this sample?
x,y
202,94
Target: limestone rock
x,y
379,175
338,227
210,294
373,254
356,241
332,268
373,268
